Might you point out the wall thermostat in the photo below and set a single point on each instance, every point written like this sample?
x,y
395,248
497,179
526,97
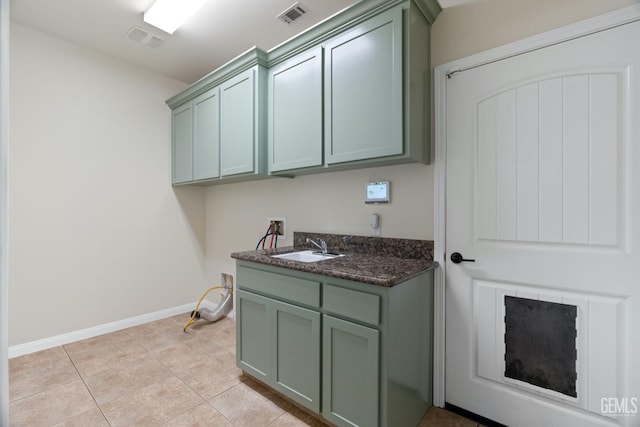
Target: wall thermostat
x,y
377,192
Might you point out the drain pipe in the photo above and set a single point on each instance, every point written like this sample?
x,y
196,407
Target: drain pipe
x,y
224,308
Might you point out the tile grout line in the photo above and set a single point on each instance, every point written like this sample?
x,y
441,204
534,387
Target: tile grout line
x,y
187,385
86,386
47,388
204,400
208,401
155,356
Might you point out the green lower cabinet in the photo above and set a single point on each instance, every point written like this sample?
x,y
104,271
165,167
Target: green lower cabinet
x,y
350,382
355,354
253,335
296,362
279,344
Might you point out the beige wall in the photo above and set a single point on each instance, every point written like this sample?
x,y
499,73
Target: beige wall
x,y
329,203
96,232
480,25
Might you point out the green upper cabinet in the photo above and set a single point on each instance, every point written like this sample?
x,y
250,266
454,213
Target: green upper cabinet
x,y
363,91
376,79
206,135
195,141
182,144
242,123
350,92
295,112
219,124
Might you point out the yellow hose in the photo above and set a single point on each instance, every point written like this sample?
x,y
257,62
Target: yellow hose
x,y
193,314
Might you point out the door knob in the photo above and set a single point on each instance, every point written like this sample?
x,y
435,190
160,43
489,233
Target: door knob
x,y
457,258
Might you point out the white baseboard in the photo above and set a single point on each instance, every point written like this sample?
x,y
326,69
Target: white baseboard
x,y
45,343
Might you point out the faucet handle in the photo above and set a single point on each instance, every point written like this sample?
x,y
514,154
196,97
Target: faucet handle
x,y
322,246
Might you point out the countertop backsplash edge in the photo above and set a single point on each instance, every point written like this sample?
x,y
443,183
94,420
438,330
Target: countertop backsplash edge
x,y
379,246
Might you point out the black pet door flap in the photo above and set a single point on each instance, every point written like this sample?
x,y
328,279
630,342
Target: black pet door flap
x,y
540,342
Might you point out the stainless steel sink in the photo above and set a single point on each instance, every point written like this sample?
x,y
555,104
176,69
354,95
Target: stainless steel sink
x,y
307,256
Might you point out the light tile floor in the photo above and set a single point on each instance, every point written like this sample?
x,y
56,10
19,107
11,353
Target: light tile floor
x,y
154,375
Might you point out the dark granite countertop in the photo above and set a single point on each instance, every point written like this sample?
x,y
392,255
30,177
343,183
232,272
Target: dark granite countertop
x,y
373,260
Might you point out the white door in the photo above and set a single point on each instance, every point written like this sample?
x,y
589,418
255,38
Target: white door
x,y
543,192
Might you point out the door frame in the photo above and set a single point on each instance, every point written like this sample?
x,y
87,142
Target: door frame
x,y
441,74
4,223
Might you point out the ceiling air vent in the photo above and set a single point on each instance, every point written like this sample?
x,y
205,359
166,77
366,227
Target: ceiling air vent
x,y
294,12
141,35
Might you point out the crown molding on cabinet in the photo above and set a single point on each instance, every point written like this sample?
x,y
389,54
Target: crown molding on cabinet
x,y
250,58
314,36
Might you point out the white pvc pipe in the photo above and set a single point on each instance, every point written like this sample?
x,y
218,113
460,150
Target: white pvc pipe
x,y
220,311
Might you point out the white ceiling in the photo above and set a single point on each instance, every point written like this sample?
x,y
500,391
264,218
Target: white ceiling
x,y
220,31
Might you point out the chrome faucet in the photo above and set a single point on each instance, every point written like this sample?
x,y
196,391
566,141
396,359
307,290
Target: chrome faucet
x,y
322,246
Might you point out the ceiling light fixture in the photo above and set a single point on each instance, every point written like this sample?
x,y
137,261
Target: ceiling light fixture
x,y
168,15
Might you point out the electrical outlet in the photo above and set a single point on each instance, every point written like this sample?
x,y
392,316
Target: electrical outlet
x,y
278,226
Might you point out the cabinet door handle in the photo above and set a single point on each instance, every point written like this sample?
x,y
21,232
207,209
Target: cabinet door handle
x,y
457,258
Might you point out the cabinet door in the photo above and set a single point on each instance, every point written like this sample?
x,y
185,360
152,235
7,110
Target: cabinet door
x,y
295,112
363,91
296,362
181,141
206,137
254,334
350,386
237,121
